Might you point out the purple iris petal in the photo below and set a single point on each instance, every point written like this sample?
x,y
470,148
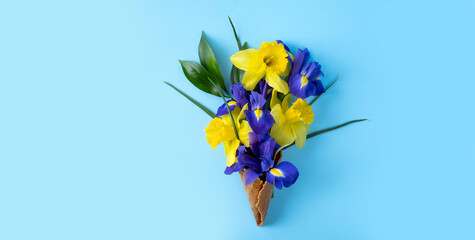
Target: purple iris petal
x,y
240,94
258,142
229,170
267,154
238,166
285,46
301,57
286,175
255,140
300,90
313,72
270,178
223,110
304,78
259,120
263,88
250,161
251,176
257,101
319,87
265,166
267,148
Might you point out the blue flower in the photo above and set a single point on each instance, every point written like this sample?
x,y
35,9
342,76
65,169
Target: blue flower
x,y
305,76
262,164
240,94
222,110
239,165
285,173
259,119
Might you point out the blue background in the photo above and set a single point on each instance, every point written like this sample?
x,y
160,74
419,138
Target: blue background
x,y
94,146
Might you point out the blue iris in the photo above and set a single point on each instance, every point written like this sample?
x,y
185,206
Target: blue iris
x,y
222,110
261,163
305,76
259,119
240,94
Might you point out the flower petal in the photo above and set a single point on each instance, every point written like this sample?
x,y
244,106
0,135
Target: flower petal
x,y
278,114
227,118
300,131
286,102
267,150
256,140
319,88
241,114
243,132
301,57
301,87
236,167
259,120
274,99
270,178
278,184
274,80
222,110
282,134
230,148
313,71
251,176
250,161
250,79
257,101
285,46
285,173
240,94
218,132
242,58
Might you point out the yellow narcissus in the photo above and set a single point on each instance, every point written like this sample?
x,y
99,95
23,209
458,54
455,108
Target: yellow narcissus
x,y
270,60
291,124
221,130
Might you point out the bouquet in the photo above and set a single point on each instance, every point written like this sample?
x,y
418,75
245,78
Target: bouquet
x,y
264,111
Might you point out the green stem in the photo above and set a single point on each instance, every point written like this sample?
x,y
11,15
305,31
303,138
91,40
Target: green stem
x,y
315,99
235,34
330,129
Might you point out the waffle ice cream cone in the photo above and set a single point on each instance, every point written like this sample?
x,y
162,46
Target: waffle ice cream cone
x,y
259,194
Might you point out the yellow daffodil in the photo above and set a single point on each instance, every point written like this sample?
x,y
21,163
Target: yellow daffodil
x,y
291,124
221,130
270,60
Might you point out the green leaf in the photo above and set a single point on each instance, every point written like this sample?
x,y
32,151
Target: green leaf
x,y
199,77
237,74
201,106
331,129
208,61
334,81
235,34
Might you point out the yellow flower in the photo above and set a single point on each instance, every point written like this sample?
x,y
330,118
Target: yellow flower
x,y
291,124
270,60
221,130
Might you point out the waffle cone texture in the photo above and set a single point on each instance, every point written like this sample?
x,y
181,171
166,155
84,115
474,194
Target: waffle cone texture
x,y
259,194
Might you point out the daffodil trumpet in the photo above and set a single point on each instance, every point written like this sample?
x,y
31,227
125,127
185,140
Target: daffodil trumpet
x,y
263,112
